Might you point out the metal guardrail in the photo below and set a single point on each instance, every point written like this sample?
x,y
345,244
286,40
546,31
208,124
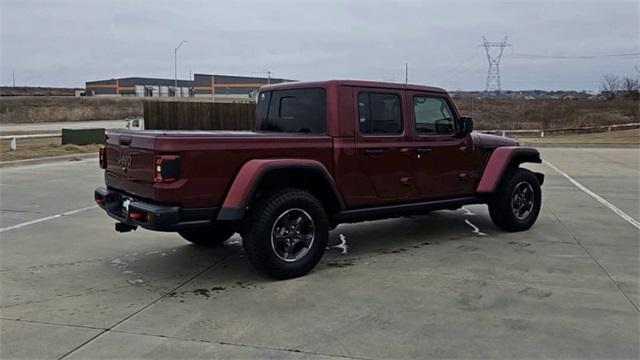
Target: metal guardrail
x,y
132,124
30,136
14,138
137,124
578,130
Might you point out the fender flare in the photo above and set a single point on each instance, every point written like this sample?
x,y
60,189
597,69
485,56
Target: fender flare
x,y
248,178
499,162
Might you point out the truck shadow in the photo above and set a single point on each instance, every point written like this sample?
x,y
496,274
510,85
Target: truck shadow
x,y
402,234
348,245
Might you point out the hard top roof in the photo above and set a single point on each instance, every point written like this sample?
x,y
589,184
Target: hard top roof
x,y
356,83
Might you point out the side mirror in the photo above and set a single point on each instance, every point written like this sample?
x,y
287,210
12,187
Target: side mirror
x,y
465,125
444,126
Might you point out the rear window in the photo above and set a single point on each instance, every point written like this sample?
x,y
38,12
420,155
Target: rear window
x,y
297,110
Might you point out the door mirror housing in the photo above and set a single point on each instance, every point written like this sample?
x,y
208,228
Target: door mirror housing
x,y
465,125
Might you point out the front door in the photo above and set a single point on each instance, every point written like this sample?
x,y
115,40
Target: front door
x,y
383,147
444,160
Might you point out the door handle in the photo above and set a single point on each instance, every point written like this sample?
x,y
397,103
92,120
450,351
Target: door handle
x,y
423,150
373,151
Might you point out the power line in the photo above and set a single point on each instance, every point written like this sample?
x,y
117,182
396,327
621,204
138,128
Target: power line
x,y
562,57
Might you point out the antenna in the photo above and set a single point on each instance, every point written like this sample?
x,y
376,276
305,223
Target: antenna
x,y
494,54
406,73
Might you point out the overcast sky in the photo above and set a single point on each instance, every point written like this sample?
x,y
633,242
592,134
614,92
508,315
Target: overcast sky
x,y
65,43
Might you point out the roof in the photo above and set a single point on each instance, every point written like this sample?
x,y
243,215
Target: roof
x,y
140,81
241,77
183,81
356,83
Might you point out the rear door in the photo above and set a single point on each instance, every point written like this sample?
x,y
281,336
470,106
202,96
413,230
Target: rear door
x,y
383,147
444,161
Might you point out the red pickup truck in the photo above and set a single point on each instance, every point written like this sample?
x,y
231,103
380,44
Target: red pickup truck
x,y
323,153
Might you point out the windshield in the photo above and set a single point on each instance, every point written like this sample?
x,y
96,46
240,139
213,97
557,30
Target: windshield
x,y
295,110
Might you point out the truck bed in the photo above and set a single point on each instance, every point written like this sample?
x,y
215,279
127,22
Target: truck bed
x,y
209,160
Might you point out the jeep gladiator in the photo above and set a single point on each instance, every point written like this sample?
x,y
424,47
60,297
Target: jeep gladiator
x,y
322,153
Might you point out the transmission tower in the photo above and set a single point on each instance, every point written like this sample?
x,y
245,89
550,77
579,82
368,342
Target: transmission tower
x,y
494,54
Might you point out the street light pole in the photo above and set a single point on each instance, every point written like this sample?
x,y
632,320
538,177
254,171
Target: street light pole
x,y
175,62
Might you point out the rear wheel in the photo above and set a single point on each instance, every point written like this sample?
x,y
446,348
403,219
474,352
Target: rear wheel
x,y
208,236
516,205
285,233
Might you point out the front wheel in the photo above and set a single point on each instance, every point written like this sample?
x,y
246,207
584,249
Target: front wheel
x,y
516,205
286,233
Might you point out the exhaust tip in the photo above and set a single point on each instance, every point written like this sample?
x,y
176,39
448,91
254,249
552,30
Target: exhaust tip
x,y
122,227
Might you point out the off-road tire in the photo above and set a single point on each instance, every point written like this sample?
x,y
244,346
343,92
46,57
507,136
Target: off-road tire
x,y
212,235
500,205
261,221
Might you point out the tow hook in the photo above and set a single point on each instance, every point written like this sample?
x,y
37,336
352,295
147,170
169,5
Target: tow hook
x,y
122,227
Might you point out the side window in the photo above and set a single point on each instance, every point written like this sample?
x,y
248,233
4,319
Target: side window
x,y
296,110
433,115
379,113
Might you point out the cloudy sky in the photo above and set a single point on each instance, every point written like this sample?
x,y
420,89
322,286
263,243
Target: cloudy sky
x,y
65,43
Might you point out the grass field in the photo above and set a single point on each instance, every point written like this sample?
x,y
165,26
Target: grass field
x,y
488,112
493,113
39,148
35,109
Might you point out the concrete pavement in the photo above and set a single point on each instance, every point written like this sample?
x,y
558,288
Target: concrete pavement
x,y
419,287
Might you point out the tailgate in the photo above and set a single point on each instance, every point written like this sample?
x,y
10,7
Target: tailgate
x,y
130,163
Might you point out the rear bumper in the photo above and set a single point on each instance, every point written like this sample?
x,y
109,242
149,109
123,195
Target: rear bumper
x,y
152,216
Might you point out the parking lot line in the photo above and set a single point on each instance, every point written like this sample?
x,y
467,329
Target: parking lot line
x,y
47,218
601,200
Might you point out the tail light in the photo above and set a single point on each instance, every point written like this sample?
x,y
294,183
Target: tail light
x,y
139,215
102,157
166,168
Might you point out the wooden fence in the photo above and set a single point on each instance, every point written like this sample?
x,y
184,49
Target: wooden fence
x,y
191,115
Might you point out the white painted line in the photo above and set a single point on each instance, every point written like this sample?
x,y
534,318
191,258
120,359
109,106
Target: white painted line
x,y
601,200
343,244
476,230
467,212
36,221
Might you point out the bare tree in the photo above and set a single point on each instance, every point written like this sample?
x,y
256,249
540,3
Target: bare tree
x,y
610,84
631,88
630,85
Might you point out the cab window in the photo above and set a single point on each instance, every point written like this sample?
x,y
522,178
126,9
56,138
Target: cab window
x,y
433,115
379,113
